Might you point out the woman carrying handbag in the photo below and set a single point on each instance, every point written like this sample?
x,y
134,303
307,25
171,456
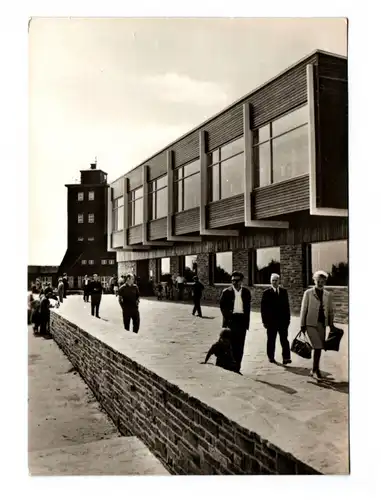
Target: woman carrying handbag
x,y
315,315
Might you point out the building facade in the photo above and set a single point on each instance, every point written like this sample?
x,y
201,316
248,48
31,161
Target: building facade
x,y
46,274
261,187
87,251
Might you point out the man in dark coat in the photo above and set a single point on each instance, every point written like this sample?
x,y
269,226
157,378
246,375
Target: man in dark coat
x,y
197,290
275,311
128,296
235,305
66,284
95,290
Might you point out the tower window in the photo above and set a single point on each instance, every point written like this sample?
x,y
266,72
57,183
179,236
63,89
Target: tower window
x,y
91,218
80,196
91,195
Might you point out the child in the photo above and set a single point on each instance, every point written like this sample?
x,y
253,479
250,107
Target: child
x,y
223,352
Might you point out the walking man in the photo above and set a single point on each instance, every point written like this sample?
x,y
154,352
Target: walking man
x,y
235,305
198,288
95,290
275,311
128,296
66,284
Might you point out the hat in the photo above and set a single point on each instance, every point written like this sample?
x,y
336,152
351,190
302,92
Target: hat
x,y
320,273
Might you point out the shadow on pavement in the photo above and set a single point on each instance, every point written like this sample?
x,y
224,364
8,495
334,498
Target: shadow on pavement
x,y
279,387
208,317
304,372
342,387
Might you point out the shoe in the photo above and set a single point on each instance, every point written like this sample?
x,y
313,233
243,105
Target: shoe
x,y
316,374
287,361
272,360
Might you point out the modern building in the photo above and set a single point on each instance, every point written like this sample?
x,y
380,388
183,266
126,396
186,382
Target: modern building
x,y
46,274
87,252
261,187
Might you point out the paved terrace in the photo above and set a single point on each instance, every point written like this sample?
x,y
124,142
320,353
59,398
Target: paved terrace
x,y
282,404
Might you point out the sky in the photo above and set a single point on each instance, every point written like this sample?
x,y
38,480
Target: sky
x,y
121,89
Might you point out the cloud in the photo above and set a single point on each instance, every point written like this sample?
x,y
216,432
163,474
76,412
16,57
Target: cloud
x,y
182,89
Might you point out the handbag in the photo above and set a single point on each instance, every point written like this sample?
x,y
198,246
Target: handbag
x,y
301,346
333,340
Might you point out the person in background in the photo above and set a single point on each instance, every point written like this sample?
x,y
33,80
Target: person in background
x,y
275,312
38,285
95,290
60,290
45,307
159,291
223,351
86,283
34,308
316,314
129,302
197,290
180,283
235,305
112,283
66,284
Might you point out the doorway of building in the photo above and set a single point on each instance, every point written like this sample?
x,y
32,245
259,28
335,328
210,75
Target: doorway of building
x,y
143,281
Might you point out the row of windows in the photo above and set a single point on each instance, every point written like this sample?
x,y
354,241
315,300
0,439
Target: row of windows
x,y
104,262
280,152
331,256
90,218
81,238
91,196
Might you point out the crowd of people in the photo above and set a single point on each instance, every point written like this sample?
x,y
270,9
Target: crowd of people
x,y
235,304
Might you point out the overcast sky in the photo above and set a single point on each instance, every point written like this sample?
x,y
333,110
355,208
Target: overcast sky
x,y
120,89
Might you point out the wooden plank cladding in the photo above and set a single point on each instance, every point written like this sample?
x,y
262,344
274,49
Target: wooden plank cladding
x,y
157,229
186,149
284,197
135,235
224,128
136,178
332,67
117,239
118,188
157,166
187,221
226,212
280,96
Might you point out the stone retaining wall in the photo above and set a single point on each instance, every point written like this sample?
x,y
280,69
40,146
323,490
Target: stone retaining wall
x,y
188,436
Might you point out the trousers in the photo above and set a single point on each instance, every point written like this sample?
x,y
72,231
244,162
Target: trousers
x,y
95,303
131,314
237,325
271,341
197,306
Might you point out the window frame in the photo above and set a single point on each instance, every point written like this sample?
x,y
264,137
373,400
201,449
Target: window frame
x,y
103,262
83,262
152,197
115,210
111,262
176,183
210,167
91,193
254,268
80,238
80,196
91,262
131,208
80,218
308,281
90,238
214,265
89,217
269,141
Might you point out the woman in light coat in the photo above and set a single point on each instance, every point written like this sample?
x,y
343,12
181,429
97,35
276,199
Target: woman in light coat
x,y
315,315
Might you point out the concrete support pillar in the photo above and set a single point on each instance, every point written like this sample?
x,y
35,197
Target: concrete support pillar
x,y
170,194
203,180
145,203
109,218
247,161
126,211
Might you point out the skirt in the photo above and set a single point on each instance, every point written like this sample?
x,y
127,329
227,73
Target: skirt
x,y
316,334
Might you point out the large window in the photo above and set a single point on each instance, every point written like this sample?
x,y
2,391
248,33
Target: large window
x,y
118,214
331,257
225,171
136,207
266,262
165,269
281,148
188,267
223,267
158,198
187,186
